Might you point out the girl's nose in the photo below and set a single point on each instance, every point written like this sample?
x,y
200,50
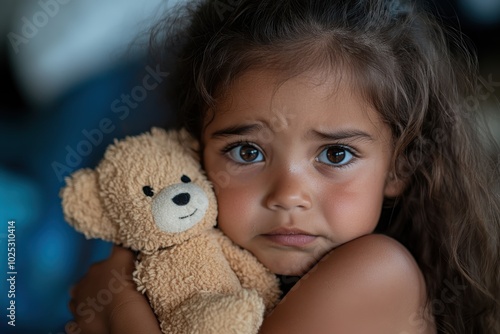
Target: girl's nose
x,y
288,192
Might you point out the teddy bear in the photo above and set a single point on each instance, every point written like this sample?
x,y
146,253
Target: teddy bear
x,y
150,194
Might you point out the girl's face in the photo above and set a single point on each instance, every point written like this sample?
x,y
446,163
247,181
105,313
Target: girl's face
x,y
298,168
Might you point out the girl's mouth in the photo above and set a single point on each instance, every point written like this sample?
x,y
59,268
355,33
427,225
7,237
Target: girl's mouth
x,y
290,237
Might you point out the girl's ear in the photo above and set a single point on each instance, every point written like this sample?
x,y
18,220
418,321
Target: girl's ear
x,y
394,186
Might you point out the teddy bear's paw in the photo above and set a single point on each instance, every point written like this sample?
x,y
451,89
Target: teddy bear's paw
x,y
207,313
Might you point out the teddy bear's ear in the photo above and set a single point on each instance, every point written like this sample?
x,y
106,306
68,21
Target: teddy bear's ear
x,y
189,142
82,206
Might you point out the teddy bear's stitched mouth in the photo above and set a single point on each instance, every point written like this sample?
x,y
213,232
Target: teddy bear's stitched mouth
x,y
189,215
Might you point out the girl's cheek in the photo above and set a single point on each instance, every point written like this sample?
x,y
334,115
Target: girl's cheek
x,y
235,201
236,210
353,207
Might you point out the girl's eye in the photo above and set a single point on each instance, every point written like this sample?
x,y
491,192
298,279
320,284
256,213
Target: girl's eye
x,y
335,155
246,154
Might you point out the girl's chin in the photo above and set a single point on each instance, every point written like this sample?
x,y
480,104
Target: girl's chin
x,y
288,262
290,270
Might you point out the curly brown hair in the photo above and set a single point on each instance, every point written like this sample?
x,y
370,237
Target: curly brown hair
x,y
418,74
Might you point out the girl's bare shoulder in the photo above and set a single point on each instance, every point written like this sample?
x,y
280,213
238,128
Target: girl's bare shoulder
x,y
369,285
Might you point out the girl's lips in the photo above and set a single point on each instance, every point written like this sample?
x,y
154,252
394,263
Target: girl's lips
x,y
290,237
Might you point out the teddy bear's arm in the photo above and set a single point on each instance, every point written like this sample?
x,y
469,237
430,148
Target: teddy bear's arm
x,y
251,273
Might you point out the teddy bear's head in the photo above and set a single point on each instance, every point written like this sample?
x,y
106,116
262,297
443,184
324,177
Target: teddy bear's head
x,y
147,193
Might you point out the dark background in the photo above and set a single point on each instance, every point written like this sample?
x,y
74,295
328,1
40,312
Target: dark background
x,y
38,129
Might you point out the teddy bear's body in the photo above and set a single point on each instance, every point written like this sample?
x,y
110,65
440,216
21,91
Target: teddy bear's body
x,y
150,194
213,276
173,267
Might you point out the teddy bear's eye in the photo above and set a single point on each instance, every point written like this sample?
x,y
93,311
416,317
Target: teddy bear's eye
x,y
148,191
185,179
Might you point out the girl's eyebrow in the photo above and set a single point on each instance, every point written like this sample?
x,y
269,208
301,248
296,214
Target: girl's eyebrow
x,y
340,135
236,130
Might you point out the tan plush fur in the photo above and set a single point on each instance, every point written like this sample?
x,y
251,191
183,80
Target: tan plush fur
x,y
150,194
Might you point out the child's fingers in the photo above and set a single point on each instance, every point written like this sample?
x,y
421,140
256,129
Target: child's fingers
x,y
81,327
122,255
72,328
105,284
118,250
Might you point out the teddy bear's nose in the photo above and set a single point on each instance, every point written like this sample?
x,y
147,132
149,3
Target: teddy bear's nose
x,y
181,199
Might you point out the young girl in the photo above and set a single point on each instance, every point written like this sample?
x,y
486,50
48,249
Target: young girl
x,y
342,149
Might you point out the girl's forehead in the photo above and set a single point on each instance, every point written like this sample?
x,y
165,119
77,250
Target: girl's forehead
x,y
266,99
278,90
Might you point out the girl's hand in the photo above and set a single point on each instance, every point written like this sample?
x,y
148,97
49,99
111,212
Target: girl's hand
x,y
105,300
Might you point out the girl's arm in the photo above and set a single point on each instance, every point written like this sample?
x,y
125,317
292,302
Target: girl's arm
x,y
369,285
106,300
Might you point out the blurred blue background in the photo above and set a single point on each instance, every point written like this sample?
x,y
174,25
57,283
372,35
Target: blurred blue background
x,y
66,66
